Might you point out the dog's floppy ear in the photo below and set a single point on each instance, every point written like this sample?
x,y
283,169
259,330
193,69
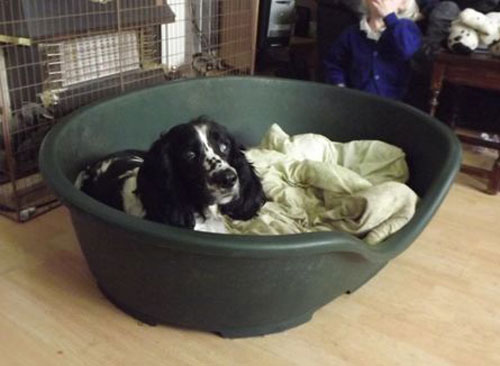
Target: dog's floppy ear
x,y
158,186
251,197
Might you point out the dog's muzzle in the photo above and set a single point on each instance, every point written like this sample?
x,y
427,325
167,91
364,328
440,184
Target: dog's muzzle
x,y
225,179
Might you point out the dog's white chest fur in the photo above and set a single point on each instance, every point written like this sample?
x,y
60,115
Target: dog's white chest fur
x,y
213,222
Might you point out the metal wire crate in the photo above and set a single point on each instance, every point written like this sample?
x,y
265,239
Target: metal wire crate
x,y
58,55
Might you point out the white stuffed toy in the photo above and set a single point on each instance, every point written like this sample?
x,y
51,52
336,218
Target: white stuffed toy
x,y
473,29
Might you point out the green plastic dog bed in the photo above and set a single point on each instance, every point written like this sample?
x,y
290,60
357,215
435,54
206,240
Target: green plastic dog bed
x,y
237,285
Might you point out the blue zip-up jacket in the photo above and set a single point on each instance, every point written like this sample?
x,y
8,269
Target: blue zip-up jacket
x,y
381,67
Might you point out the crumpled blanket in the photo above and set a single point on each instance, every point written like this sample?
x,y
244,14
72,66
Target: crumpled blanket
x,y
314,184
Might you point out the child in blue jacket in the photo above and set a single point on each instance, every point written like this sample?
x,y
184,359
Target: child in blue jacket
x,y
374,56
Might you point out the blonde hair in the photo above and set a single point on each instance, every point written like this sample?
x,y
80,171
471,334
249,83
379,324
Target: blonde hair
x,y
411,11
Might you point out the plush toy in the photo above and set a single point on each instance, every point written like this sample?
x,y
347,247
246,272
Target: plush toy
x,y
472,30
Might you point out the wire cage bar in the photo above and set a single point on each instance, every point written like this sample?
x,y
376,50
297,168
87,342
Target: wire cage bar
x,y
59,55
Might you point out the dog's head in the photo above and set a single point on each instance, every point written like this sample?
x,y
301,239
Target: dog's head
x,y
199,164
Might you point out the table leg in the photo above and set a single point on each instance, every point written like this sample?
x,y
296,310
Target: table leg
x,y
434,102
436,85
494,182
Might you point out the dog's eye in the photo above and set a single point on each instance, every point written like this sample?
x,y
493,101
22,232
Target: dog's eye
x,y
190,155
223,148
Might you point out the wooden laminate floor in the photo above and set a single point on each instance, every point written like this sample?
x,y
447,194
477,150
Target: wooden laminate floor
x,y
436,304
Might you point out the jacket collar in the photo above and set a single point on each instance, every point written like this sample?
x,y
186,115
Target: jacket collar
x,y
370,33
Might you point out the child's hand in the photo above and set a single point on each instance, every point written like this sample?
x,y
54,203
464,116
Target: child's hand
x,y
383,8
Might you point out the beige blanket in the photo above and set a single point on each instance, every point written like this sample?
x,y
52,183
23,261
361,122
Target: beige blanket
x,y
314,184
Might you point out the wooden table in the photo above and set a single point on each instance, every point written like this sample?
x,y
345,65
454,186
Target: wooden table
x,y
479,71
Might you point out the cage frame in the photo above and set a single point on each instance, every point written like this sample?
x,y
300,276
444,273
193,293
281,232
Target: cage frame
x,y
25,82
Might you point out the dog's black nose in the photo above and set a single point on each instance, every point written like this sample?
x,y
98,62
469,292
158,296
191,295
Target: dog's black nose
x,y
225,178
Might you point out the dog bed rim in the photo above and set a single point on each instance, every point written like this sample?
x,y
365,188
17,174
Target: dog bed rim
x,y
245,245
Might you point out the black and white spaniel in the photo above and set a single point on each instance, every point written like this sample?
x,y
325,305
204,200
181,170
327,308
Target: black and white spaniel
x,y
190,175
